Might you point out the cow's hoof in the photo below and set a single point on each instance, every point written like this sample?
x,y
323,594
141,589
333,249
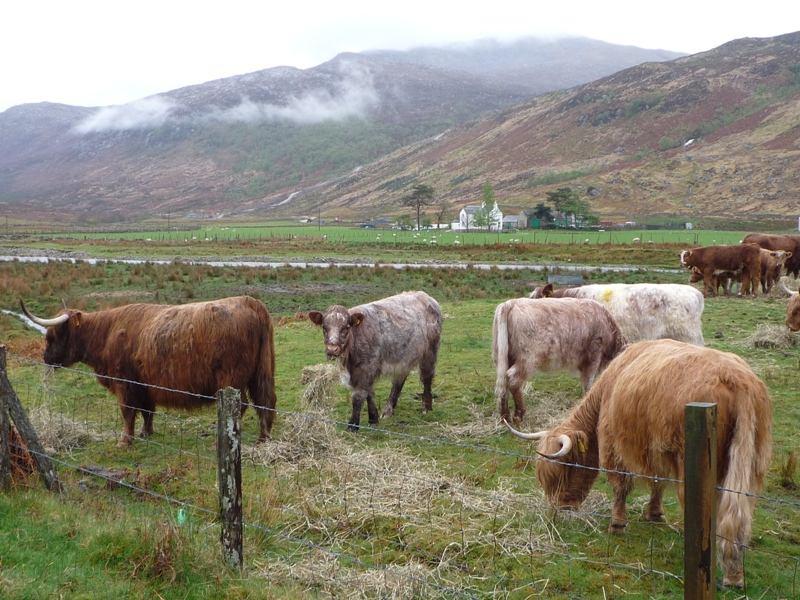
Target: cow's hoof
x,y
352,427
655,517
617,528
736,580
124,442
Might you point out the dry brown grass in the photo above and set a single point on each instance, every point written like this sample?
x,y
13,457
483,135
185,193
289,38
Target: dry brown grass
x,y
385,495
771,336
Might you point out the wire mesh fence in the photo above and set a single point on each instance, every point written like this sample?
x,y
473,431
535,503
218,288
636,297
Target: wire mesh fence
x,y
376,515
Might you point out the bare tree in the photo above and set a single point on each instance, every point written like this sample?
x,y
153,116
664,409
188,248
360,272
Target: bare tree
x,y
421,195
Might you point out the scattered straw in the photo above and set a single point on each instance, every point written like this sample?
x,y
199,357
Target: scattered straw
x,y
771,336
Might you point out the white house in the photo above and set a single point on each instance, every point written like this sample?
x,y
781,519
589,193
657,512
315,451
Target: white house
x,y
465,219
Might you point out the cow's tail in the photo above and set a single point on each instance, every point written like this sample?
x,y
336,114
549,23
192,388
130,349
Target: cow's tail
x,y
265,380
500,354
748,462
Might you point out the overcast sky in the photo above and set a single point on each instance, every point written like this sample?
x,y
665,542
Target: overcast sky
x,y
100,53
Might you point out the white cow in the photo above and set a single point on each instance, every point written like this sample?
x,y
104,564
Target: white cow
x,y
644,311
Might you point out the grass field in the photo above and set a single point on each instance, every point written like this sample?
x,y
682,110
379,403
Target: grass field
x,y
443,504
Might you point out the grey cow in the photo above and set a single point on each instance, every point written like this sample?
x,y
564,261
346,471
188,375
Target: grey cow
x,y
389,336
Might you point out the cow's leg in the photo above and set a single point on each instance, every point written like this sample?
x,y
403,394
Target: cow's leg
x,y
516,381
391,402
707,284
264,401
128,421
358,397
372,408
622,485
655,509
147,420
427,370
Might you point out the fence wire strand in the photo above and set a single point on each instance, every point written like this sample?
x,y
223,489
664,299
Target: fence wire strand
x,y
479,572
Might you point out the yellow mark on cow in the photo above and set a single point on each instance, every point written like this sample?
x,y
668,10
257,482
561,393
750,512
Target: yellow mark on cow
x,y
607,296
581,445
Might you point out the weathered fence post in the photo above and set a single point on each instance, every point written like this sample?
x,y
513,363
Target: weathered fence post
x,y
700,502
26,430
229,473
5,434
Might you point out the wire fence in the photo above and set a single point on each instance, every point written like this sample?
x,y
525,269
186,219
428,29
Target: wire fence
x,y
343,516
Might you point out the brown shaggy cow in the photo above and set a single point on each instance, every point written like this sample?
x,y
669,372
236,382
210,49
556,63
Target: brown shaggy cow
x,y
388,336
789,243
733,257
632,422
197,348
792,309
550,334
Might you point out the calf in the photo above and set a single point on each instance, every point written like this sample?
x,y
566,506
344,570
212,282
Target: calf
x,y
720,279
549,335
389,336
734,257
644,311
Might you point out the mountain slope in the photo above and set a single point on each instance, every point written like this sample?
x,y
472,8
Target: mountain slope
x,y
240,143
619,140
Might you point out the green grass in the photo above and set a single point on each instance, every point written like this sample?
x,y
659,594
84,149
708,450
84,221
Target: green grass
x,y
444,495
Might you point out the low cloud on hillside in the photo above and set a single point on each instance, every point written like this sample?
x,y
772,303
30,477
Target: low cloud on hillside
x,y
353,96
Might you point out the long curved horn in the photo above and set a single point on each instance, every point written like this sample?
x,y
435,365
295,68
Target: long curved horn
x,y
786,289
44,322
525,436
566,446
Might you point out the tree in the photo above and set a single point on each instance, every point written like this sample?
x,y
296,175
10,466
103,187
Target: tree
x,y
543,212
568,202
443,208
421,195
480,218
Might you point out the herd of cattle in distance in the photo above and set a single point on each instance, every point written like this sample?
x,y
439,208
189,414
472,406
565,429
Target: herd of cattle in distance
x,y
638,348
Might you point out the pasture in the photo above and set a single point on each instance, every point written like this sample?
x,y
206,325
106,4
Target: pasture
x,y
443,504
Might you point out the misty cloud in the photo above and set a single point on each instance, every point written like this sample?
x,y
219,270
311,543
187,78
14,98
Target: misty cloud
x,y
353,98
141,114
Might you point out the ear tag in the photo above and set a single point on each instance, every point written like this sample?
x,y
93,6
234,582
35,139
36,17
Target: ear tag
x,y
78,320
581,445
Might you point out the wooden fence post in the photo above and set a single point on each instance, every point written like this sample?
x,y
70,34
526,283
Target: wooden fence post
x,y
26,430
700,502
229,473
5,434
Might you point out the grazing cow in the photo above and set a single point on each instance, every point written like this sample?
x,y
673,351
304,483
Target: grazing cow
x,y
632,422
788,243
388,336
644,311
197,348
549,335
792,309
733,257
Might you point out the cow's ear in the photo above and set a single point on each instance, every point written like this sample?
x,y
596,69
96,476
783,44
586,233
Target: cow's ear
x,y
356,319
547,292
315,317
788,255
76,318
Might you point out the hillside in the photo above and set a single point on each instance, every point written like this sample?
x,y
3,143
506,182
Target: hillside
x,y
619,140
238,144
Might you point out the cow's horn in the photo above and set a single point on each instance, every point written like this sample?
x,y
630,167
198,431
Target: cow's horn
x,y
566,446
44,322
525,436
786,289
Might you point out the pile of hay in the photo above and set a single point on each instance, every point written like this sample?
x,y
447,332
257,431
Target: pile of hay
x,y
311,433
59,433
772,336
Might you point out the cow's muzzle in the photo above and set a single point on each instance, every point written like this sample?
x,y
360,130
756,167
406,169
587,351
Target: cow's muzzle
x,y
332,351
